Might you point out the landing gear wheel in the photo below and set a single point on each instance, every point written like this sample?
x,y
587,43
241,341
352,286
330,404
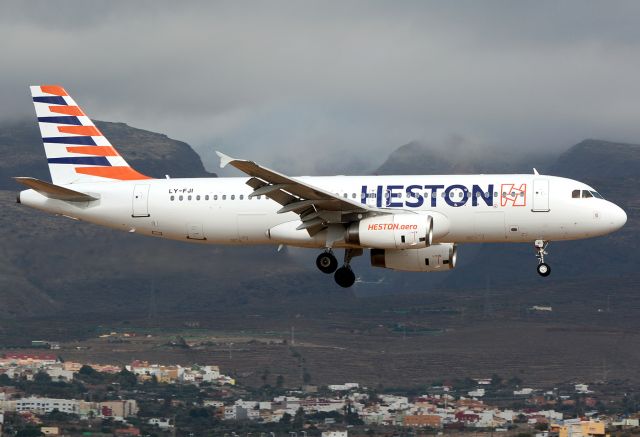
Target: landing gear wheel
x,y
345,277
544,269
327,262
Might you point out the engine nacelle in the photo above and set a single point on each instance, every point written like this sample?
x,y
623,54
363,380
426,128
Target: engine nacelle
x,y
392,231
436,258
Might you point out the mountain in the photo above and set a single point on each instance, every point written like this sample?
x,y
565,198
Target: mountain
x,y
52,265
151,153
611,168
461,158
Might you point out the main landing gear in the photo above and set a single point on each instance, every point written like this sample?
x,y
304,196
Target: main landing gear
x,y
543,268
344,276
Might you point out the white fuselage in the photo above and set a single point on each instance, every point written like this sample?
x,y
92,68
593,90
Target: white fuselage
x,y
468,208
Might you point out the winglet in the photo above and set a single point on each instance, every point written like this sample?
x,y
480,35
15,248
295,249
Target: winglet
x,y
535,172
224,159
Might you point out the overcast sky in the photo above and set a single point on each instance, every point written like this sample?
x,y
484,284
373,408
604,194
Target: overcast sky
x,y
325,87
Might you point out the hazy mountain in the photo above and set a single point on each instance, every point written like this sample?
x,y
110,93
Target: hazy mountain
x,y
151,153
54,265
461,158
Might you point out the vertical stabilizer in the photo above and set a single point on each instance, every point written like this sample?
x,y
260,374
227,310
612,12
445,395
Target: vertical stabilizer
x,y
76,150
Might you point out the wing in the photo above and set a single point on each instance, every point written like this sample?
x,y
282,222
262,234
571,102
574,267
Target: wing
x,y
316,207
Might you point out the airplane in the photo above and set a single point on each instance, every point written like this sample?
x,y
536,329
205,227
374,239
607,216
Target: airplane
x,y
408,223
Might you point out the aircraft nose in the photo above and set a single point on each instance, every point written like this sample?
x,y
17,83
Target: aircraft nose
x,y
617,217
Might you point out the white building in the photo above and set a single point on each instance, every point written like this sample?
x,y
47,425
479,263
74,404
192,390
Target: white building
x,y
334,434
47,405
523,392
477,393
160,423
344,387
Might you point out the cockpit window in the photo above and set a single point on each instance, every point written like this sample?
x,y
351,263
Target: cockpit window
x,y
575,194
597,195
586,193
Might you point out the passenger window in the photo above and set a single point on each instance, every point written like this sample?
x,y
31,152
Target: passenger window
x,y
242,197
233,197
172,197
215,197
198,197
224,197
189,197
259,197
586,194
353,196
206,197
181,197
575,194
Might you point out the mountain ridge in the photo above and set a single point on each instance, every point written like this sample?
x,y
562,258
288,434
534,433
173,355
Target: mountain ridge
x,y
49,267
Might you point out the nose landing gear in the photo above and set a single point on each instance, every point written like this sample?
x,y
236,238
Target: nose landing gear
x,y
540,247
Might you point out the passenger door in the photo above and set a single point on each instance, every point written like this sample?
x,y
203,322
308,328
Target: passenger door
x,y
540,195
140,206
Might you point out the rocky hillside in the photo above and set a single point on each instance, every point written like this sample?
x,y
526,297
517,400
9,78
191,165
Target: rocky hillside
x,y
151,153
52,265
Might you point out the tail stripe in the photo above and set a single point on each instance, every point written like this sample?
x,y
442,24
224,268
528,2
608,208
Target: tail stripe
x,y
90,131
57,100
61,120
82,160
84,141
54,89
76,149
68,110
121,173
94,150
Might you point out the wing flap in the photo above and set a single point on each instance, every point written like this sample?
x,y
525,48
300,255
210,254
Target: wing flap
x,y
287,190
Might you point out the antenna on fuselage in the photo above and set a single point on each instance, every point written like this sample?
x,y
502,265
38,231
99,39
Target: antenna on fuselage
x,y
535,172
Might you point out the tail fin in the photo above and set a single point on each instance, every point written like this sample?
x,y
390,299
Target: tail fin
x,y
76,150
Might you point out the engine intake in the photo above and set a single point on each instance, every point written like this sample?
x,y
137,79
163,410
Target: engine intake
x,y
436,258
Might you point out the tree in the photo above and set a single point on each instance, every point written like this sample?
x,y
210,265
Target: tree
x,y
265,376
42,378
88,371
127,379
286,418
306,376
298,419
30,431
4,380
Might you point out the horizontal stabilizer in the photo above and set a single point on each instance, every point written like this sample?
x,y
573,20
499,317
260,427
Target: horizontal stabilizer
x,y
55,191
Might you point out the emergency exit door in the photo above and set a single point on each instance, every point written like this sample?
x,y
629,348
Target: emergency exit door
x,y
540,195
140,201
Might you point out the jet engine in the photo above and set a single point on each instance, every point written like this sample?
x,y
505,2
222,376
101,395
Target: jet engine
x,y
435,258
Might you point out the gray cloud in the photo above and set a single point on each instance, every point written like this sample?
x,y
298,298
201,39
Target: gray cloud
x,y
319,87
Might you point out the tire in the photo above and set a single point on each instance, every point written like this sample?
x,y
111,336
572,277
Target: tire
x,y
345,277
544,270
327,262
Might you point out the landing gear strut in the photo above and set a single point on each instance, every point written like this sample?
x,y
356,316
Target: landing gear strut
x,y
327,262
543,268
344,275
